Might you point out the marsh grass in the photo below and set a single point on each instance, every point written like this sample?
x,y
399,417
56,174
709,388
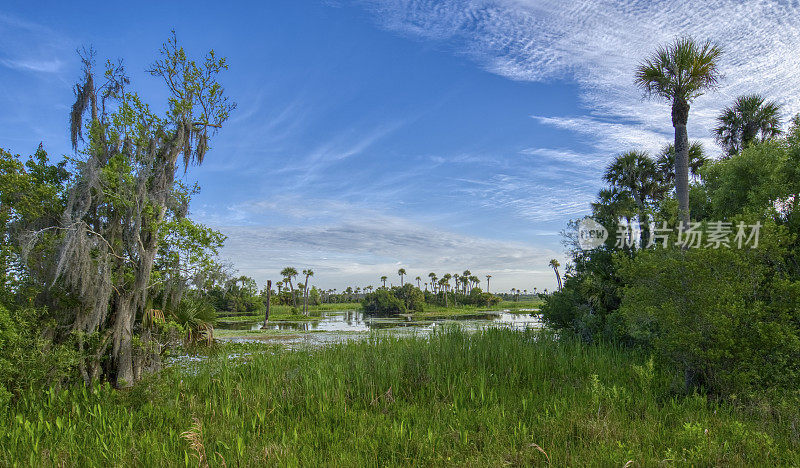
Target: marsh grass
x,y
490,398
285,313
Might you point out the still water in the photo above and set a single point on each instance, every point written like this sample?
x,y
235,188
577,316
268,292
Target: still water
x,y
346,322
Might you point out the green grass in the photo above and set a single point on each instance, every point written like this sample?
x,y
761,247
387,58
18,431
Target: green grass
x,y
492,398
433,311
284,313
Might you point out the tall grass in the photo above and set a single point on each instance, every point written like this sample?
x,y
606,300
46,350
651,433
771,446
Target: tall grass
x,y
491,398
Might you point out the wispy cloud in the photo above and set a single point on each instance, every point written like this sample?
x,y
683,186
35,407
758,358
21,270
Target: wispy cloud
x,y
598,44
30,47
359,252
42,66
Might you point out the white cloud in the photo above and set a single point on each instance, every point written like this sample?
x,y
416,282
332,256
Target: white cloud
x,y
351,244
30,47
599,43
358,253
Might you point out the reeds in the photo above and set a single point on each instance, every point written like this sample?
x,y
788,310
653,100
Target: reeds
x,y
490,398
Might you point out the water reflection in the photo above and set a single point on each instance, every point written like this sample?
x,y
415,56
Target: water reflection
x,y
355,321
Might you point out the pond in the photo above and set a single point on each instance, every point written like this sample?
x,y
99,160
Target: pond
x,y
333,327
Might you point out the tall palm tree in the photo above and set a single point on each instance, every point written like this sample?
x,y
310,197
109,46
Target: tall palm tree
x,y
680,72
554,263
488,277
383,280
466,276
418,282
309,272
402,273
433,278
750,118
446,284
442,287
288,273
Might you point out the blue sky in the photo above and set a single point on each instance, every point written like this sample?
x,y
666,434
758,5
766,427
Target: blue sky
x,y
374,135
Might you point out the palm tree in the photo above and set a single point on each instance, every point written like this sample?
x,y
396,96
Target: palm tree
x,y
466,276
680,72
433,278
443,288
288,273
383,280
488,277
402,273
446,283
418,282
750,118
666,162
308,272
554,263
636,173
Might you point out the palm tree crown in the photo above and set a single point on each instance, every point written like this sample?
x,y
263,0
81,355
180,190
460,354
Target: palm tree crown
x,y
750,118
634,172
680,72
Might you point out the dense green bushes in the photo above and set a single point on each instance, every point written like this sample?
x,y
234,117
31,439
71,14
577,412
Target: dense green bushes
x,y
408,298
27,359
383,302
723,319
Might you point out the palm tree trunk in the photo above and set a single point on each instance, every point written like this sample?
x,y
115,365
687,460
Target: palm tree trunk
x,y
305,297
291,290
680,116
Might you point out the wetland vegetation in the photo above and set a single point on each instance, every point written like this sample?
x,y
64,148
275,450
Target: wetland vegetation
x,y
124,340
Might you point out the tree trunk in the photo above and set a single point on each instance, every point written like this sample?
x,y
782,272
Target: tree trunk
x,y
269,300
123,340
680,116
682,171
305,297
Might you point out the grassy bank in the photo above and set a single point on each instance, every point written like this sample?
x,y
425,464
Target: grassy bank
x,y
485,399
433,311
285,312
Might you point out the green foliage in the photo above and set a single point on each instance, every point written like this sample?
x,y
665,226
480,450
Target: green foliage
x,y
492,398
723,319
413,299
382,303
197,318
26,359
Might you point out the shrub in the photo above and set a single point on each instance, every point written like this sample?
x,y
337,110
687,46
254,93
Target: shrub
x,y
382,303
412,297
723,319
26,359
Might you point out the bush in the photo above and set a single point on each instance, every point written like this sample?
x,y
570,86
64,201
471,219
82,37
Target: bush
x,y
382,303
722,319
412,297
26,359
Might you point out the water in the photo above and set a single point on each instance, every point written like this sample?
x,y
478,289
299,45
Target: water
x,y
352,321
